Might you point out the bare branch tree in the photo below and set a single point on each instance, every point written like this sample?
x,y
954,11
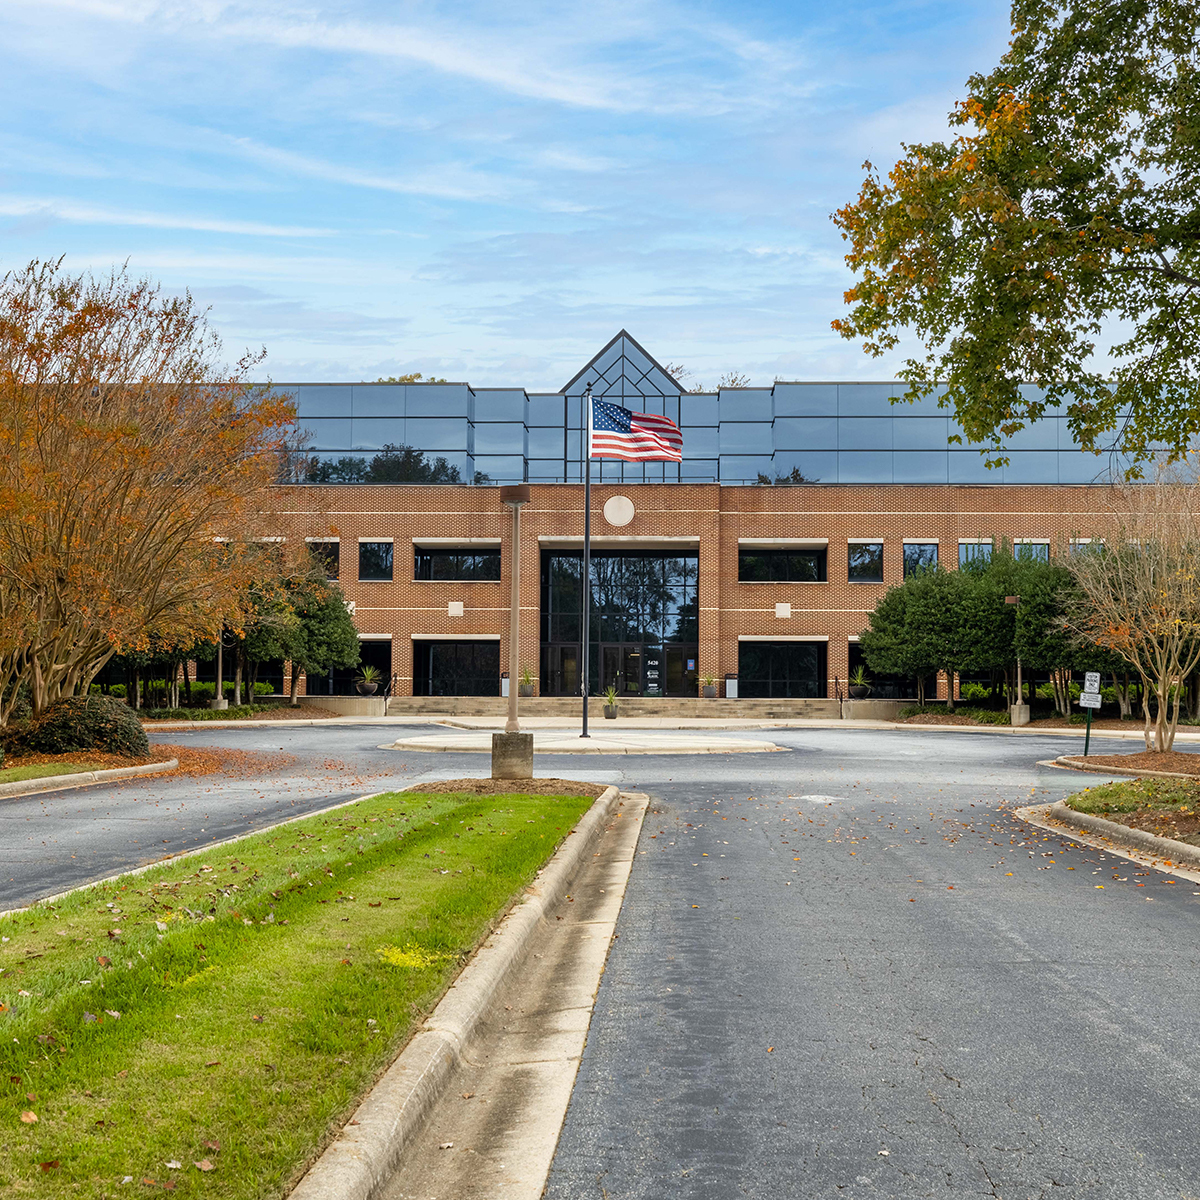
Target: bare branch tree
x,y
1139,591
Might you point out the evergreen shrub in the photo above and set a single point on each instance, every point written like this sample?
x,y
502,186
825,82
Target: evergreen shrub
x,y
88,723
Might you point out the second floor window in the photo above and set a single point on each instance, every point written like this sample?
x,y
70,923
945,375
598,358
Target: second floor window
x,y
919,556
328,555
375,561
866,562
974,553
781,566
466,565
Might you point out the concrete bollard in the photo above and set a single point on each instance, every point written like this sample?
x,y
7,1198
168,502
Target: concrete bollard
x,y
512,755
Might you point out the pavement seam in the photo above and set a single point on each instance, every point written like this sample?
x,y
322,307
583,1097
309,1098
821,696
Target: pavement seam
x,y
364,1155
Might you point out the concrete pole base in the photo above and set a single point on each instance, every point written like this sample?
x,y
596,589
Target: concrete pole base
x,y
218,702
512,755
1018,714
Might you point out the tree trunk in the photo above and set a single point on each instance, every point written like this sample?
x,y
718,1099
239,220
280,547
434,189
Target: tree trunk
x,y
237,679
187,684
1122,691
950,691
295,686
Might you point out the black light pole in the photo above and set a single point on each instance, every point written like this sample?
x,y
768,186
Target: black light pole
x,y
587,549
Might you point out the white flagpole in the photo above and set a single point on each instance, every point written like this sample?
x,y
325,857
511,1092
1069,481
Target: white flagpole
x,y
587,550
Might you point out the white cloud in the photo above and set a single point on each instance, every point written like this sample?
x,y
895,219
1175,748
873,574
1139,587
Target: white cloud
x,y
90,214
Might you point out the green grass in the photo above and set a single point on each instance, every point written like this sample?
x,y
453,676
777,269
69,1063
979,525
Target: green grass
x,y
261,987
1177,795
41,771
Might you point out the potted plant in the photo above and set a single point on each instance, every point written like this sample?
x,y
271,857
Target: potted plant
x,y
368,681
860,685
525,686
709,689
610,703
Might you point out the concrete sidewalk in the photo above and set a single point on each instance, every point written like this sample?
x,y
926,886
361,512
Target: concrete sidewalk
x,y
601,741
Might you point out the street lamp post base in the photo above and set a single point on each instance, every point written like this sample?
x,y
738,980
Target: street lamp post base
x,y
512,755
1018,714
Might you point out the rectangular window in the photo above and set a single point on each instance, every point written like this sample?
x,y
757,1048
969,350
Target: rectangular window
x,y
464,565
456,668
782,566
767,670
328,555
919,556
375,562
1032,551
972,553
866,562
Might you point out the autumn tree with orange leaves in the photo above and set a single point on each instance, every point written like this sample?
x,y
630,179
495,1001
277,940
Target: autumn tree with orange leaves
x,y
1068,201
134,477
1138,591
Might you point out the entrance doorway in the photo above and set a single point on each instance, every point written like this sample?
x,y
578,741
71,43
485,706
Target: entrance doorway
x,y
622,666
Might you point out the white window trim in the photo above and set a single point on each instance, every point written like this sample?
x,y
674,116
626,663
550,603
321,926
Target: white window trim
x,y
322,539
374,637
976,541
921,542
783,637
440,543
455,637
389,541
875,541
783,543
1036,541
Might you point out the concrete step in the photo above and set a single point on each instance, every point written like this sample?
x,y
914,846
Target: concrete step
x,y
569,706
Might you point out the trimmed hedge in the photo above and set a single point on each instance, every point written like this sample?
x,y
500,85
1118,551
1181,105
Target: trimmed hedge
x,y
88,723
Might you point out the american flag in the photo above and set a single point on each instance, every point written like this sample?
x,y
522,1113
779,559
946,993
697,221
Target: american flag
x,y
616,432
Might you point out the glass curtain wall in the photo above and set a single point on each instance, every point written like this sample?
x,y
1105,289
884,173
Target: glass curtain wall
x,y
644,623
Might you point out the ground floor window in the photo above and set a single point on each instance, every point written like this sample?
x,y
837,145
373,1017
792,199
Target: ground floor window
x,y
456,668
774,670
343,681
889,687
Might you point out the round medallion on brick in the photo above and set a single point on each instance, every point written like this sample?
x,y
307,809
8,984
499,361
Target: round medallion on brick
x,y
618,510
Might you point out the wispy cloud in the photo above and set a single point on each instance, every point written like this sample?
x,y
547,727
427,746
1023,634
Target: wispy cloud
x,y
90,214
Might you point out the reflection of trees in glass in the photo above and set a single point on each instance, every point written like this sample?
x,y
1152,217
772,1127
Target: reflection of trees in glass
x,y
795,475
393,464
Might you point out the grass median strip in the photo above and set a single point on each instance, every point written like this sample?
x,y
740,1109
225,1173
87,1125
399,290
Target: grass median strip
x,y
1164,807
42,771
201,1027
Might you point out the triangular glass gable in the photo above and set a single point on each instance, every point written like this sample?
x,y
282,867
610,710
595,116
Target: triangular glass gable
x,y
624,373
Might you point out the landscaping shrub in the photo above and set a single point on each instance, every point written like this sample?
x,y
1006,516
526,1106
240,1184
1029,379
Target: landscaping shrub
x,y
232,713
88,723
985,716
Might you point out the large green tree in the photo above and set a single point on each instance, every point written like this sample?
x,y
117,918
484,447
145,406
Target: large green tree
x,y
322,637
1064,212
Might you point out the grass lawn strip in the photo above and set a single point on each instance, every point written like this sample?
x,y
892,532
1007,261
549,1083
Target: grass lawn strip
x,y
261,987
42,771
1164,807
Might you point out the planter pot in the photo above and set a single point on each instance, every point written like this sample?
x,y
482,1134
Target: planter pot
x,y
709,693
367,689
525,689
859,691
610,712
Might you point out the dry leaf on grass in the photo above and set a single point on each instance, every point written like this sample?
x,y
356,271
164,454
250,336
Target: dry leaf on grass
x,y
29,1118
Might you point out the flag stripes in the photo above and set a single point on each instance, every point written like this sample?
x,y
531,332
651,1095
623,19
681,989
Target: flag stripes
x,y
616,432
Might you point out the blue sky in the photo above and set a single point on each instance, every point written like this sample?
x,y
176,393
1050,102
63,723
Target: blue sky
x,y
482,192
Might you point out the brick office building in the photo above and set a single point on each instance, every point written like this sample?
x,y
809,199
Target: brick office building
x,y
760,556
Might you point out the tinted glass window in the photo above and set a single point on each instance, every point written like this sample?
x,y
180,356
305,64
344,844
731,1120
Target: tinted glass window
x,y
449,563
865,399
328,555
1032,551
499,439
864,466
456,668
919,433
545,410
328,433
865,433
805,399
909,466
866,562
922,557
700,442
378,400
322,400
970,553
436,400
499,469
806,433
749,404
506,405
698,410
375,560
745,437
814,466
373,433
431,433
545,443
782,566
778,669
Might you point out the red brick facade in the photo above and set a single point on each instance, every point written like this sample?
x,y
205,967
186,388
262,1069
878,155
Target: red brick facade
x,y
710,517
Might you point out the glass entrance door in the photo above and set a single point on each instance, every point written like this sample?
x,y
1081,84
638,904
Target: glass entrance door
x,y
621,667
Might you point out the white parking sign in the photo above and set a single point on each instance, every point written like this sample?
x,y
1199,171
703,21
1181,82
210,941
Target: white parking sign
x,y
1091,681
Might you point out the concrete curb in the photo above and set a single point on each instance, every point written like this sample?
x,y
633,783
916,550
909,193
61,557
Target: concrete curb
x,y
54,783
1071,763
367,1150
1137,839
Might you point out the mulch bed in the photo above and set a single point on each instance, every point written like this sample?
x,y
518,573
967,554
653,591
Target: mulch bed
x,y
511,787
285,712
1175,761
1183,827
